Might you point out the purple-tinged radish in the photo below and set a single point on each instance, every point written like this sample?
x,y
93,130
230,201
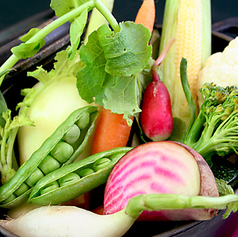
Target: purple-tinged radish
x,y
156,117
161,167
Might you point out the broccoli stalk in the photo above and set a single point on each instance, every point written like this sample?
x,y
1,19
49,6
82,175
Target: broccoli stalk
x,y
215,129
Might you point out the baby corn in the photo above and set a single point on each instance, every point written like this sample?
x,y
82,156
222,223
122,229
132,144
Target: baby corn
x,y
189,22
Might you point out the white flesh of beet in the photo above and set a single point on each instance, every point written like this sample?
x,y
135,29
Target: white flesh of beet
x,y
160,167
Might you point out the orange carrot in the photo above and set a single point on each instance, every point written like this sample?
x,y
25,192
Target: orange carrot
x,y
112,130
146,14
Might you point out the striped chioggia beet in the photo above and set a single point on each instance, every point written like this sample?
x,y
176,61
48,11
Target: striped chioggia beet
x,y
161,167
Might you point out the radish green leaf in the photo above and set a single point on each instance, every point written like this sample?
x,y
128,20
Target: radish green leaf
x,y
112,61
62,7
76,30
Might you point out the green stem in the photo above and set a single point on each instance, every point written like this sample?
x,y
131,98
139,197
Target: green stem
x,y
12,60
97,19
158,202
10,144
60,21
108,15
187,91
3,145
205,147
193,133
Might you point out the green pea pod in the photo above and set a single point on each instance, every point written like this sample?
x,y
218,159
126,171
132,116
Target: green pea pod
x,y
54,150
73,181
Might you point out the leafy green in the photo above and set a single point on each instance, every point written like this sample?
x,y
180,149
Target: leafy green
x,y
34,40
223,187
8,134
30,34
63,67
62,7
122,96
27,50
76,30
112,61
127,52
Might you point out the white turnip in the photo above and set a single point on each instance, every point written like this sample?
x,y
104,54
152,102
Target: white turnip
x,y
160,167
72,221
68,221
49,109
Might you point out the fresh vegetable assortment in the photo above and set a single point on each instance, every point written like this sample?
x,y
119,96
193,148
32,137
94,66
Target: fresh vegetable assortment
x,y
153,167
62,147
119,120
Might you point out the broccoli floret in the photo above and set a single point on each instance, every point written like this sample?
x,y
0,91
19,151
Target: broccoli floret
x,y
216,127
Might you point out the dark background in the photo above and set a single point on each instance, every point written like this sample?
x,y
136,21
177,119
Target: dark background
x,y
12,11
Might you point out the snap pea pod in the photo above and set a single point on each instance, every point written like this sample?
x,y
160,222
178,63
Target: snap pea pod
x,y
61,148
77,178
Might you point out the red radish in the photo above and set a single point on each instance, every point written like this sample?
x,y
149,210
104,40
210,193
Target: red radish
x,y
156,117
160,167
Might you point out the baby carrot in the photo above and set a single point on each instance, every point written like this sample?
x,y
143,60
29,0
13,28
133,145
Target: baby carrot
x,y
112,131
146,14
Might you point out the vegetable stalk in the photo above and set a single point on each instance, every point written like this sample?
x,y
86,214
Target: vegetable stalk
x,y
159,202
96,18
35,42
8,133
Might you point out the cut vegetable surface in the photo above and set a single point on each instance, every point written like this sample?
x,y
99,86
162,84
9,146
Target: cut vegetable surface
x,y
160,167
